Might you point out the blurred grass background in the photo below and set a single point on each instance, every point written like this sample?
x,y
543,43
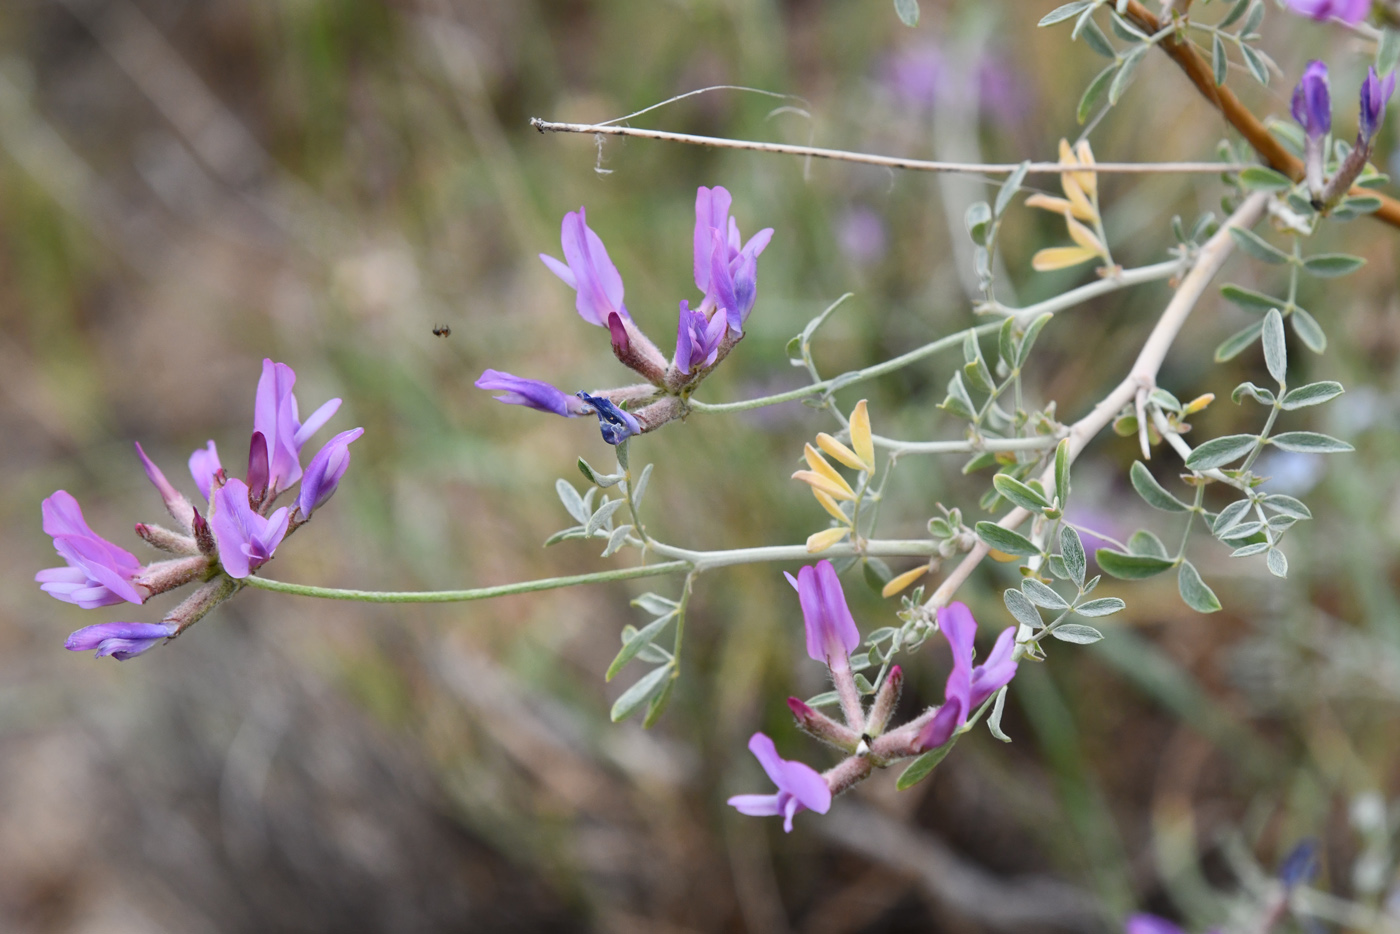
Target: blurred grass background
x,y
187,187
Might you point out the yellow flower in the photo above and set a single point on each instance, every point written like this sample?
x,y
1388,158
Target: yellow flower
x,y
821,541
1081,191
898,583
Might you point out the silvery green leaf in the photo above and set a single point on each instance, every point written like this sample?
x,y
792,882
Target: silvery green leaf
x,y
1235,13
639,489
655,604
907,11
616,540
1125,73
1249,299
1025,612
1124,29
978,218
994,718
1256,61
1076,634
1056,564
635,642
1062,460
1144,542
860,662
1308,330
1387,51
1257,393
1219,63
1257,246
1277,562
1130,567
958,403
1019,493
1246,550
621,449
654,654
876,573
1287,505
979,462
978,376
1217,452
1311,394
1256,16
639,693
1041,595
1275,348
920,768
1005,540
1091,583
1310,442
1153,492
1194,591
1010,187
658,705
1072,552
1062,13
602,519
1104,606
1260,178
863,684
591,494
1033,330
1006,343
1229,517
1281,523
1241,532
1230,348
1331,265
1096,40
825,699
1290,135
573,503
1164,400
1094,91
565,534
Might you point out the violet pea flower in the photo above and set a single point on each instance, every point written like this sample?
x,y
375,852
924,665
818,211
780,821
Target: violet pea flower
x,y
246,540
99,573
531,393
831,632
119,640
617,424
1350,12
275,417
697,338
324,472
968,687
204,466
731,282
1375,92
588,271
1312,101
800,787
175,502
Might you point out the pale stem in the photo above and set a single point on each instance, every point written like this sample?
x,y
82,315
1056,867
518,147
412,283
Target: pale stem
x,y
1111,283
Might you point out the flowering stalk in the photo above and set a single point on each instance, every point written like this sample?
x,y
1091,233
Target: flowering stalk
x,y
1375,93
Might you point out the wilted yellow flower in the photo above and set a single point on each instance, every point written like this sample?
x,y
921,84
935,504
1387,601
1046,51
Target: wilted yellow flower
x,y
821,541
898,583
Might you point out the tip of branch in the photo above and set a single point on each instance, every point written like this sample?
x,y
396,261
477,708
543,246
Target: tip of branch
x,y
537,123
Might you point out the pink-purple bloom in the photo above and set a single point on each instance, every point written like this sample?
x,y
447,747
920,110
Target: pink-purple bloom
x,y
726,268
968,687
1375,92
246,539
831,631
323,474
800,787
204,467
588,270
275,417
119,640
531,393
1150,924
697,338
99,573
1312,101
1348,11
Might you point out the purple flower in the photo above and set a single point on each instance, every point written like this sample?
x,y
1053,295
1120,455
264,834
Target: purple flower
x,y
831,632
697,338
99,573
731,283
589,271
1374,94
246,539
617,424
119,640
275,416
532,393
968,687
204,466
862,236
1312,101
913,74
1150,924
799,786
1348,11
324,472
175,501
1300,865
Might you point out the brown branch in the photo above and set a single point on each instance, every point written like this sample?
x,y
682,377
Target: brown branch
x,y
1202,75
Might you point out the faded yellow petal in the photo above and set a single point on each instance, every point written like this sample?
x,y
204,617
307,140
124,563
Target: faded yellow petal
x,y
1001,556
839,451
821,541
820,465
860,434
1067,156
1083,207
1060,206
1083,236
1059,257
1087,180
897,584
830,506
825,485
1198,403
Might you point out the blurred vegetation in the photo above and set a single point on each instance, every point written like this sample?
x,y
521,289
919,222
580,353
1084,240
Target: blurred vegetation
x,y
187,187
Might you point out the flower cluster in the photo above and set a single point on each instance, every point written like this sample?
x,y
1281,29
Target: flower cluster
x,y
1080,204
726,273
831,637
832,490
1312,108
1350,12
240,533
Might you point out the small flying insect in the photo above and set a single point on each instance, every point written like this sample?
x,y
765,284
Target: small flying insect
x,y
442,330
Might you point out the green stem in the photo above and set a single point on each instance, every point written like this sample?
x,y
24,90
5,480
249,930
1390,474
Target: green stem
x,y
708,560
1128,277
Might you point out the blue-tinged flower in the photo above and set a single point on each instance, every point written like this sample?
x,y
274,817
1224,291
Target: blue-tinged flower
x,y
731,282
1300,865
800,787
324,472
275,416
531,393
1374,94
246,539
1150,924
617,424
831,632
968,687
205,467
697,338
1312,101
99,573
1348,11
119,640
588,271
